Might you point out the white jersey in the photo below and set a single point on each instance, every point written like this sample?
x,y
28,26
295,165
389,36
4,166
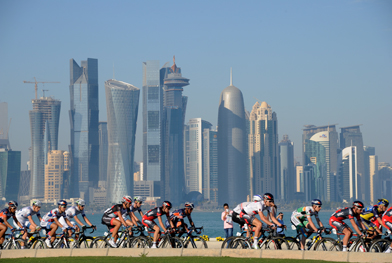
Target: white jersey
x,y
50,216
239,207
254,208
22,214
73,211
303,212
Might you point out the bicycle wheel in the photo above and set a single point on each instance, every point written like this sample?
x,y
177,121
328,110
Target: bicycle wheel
x,y
85,242
139,242
38,244
381,244
226,241
240,243
326,244
13,245
63,244
276,243
172,242
293,243
361,246
99,242
375,248
195,242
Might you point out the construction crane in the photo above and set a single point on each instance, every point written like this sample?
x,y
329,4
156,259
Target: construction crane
x,y
36,84
43,92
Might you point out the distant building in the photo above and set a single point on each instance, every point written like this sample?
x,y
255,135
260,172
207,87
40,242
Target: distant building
x,y
371,169
103,153
210,165
10,162
144,188
264,151
84,118
299,171
286,178
232,170
3,120
44,124
54,172
24,184
349,180
384,187
122,102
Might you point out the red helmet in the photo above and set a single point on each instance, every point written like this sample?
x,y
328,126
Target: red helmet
x,y
358,204
268,197
127,199
167,204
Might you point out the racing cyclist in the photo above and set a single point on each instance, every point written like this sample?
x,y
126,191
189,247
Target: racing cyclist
x,y
73,212
387,223
302,220
157,212
50,222
5,214
135,207
336,221
177,217
113,218
25,217
374,212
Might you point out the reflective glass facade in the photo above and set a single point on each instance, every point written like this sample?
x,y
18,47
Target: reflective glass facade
x,y
10,174
286,178
122,102
210,165
103,151
84,148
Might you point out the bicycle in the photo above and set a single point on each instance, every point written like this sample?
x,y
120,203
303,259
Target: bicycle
x,y
318,242
11,241
83,241
359,244
103,241
36,241
382,244
140,241
194,241
63,240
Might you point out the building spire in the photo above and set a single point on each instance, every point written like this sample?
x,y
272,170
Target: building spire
x,y
174,67
231,76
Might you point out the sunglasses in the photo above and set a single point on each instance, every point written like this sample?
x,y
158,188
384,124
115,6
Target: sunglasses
x,y
64,206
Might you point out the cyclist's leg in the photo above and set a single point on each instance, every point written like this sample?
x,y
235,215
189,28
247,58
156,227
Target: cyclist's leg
x,y
389,225
301,228
52,233
157,231
25,233
117,224
3,229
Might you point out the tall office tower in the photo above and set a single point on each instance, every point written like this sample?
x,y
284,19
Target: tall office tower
x,y
24,185
44,123
299,173
103,153
9,173
3,120
54,171
348,179
263,149
153,78
210,165
122,103
174,107
232,171
371,168
352,136
384,181
195,175
84,148
286,178
329,176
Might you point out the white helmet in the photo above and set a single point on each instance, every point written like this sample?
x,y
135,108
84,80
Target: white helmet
x,y
138,199
37,203
81,202
257,198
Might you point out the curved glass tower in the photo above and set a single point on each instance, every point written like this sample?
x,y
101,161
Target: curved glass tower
x,y
122,102
232,172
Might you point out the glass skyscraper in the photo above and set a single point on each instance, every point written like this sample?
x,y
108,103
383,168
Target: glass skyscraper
x,y
210,165
9,174
3,120
103,152
122,102
286,179
84,148
44,124
348,179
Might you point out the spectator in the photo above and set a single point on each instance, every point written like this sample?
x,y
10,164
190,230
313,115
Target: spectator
x,y
280,230
227,221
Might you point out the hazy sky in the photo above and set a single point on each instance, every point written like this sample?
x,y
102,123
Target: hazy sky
x,y
314,62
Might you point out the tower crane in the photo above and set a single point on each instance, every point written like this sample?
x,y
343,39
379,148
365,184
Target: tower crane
x,y
36,84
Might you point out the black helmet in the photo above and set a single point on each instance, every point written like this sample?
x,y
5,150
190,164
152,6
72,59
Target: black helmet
x,y
358,204
189,205
268,197
13,204
62,203
317,202
167,204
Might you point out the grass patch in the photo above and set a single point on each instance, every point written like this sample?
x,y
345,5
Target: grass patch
x,y
154,260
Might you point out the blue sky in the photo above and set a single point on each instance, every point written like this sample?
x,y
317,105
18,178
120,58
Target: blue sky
x,y
314,62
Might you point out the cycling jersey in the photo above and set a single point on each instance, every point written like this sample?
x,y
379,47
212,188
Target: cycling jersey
x,y
343,214
23,214
116,211
5,214
239,207
50,216
74,211
178,215
305,212
135,209
369,212
387,218
154,213
254,208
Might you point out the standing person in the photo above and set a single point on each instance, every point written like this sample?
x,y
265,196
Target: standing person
x,y
227,221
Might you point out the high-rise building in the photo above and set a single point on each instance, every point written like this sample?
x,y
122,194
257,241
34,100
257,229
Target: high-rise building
x,y
122,102
371,168
325,175
84,148
232,170
54,171
44,123
103,153
172,143
299,171
263,150
9,173
348,177
286,178
384,187
210,165
3,120
352,136
195,174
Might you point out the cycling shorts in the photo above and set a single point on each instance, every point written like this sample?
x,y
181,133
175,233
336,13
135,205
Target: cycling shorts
x,y
236,218
25,224
338,225
108,222
247,218
368,224
46,224
148,223
387,223
298,223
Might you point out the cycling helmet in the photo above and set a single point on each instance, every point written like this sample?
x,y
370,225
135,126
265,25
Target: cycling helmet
x,y
383,202
189,205
167,204
358,204
37,203
81,202
13,204
126,198
138,199
257,198
62,203
268,197
317,202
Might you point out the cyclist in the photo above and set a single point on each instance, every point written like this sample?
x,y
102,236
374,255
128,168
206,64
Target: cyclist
x,y
302,220
157,212
50,222
336,221
387,223
5,214
25,217
374,212
72,212
136,207
177,217
113,218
